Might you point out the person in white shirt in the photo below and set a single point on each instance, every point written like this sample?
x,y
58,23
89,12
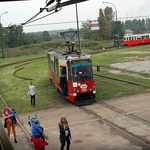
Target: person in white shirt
x,y
32,93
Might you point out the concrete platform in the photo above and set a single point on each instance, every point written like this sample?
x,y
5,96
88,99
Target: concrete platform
x,y
88,133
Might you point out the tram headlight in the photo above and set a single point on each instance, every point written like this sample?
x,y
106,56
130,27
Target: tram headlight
x,y
91,89
74,94
94,90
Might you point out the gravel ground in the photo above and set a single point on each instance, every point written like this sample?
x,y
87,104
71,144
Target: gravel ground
x,y
136,66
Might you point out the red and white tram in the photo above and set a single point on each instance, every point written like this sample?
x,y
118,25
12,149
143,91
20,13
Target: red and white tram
x,y
136,39
77,69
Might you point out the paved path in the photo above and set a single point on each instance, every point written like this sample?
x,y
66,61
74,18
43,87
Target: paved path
x,y
88,133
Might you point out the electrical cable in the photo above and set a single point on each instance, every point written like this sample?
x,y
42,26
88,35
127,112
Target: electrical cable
x,y
41,10
43,16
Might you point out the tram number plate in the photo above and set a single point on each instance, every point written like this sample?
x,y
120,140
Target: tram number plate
x,y
84,90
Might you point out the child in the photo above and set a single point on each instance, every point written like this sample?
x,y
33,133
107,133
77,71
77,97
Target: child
x,y
13,115
38,136
36,129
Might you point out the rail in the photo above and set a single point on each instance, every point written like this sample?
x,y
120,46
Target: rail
x,y
121,80
18,121
4,141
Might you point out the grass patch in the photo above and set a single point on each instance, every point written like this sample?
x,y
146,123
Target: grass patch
x,y
14,90
107,88
111,57
15,59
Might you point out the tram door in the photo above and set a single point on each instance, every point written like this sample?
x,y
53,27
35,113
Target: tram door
x,y
63,72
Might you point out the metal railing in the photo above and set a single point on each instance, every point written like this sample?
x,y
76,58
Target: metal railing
x,y
4,141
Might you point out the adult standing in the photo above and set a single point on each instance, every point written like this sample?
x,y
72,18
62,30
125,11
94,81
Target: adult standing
x,y
65,134
10,121
32,93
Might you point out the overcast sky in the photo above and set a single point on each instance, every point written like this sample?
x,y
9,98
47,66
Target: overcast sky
x,y
20,11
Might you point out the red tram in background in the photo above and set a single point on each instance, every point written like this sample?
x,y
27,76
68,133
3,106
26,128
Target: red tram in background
x,y
136,39
77,67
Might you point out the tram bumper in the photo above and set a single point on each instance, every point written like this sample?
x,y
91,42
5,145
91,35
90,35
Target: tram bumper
x,y
84,99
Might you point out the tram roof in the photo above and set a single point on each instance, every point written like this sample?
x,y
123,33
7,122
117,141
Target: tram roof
x,y
130,35
60,54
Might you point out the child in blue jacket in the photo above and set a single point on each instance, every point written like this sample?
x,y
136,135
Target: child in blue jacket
x,y
36,129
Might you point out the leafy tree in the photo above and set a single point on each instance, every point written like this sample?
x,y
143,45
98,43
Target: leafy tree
x,y
138,26
106,18
85,30
46,36
14,34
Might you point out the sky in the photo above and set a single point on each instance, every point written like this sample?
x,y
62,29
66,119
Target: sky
x,y
20,11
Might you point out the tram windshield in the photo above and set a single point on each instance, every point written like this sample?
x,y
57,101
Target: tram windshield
x,y
81,70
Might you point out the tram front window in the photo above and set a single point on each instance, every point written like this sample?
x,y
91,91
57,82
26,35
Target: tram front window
x,y
81,70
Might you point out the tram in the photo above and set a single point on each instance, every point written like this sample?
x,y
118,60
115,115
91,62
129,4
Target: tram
x,y
136,39
77,67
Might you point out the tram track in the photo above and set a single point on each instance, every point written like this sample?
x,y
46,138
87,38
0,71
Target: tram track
x,y
25,61
122,112
28,61
124,131
123,81
18,121
22,63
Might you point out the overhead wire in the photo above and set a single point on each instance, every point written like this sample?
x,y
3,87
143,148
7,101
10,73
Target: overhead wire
x,y
73,21
41,10
44,16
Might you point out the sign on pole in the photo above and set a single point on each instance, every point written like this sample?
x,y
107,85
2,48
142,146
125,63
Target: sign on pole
x,y
94,25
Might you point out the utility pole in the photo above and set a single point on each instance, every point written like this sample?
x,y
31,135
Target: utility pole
x,y
2,44
79,42
116,33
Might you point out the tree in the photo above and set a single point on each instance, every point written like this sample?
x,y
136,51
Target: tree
x,y
15,35
106,18
46,36
85,30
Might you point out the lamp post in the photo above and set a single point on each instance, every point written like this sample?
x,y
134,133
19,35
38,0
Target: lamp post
x,y
79,42
115,25
2,46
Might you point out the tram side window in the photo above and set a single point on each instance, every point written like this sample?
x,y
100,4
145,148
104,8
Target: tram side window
x,y
147,36
48,57
129,38
56,66
52,65
69,71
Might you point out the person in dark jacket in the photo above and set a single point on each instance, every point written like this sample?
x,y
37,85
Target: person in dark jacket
x,y
65,134
63,85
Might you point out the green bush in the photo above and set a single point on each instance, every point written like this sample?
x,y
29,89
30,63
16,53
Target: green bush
x,y
52,45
